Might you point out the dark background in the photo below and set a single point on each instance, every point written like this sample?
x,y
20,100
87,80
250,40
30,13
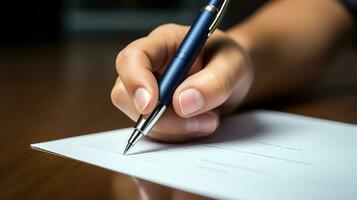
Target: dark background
x,y
29,22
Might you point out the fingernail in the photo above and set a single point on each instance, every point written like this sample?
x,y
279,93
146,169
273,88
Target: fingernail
x,y
142,99
205,123
191,101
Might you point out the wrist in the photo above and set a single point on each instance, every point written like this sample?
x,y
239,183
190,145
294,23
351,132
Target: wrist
x,y
243,39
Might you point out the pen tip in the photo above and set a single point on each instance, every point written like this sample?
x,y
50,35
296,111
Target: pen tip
x,y
128,146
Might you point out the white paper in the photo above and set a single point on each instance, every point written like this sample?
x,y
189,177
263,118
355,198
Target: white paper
x,y
256,155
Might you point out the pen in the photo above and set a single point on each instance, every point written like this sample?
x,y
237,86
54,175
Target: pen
x,y
203,27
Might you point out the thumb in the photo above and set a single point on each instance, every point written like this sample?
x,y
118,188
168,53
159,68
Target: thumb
x,y
228,70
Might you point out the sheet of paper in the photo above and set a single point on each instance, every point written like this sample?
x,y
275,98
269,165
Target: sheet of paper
x,y
255,155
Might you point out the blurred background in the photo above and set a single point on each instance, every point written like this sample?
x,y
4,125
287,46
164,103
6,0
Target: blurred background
x,y
26,22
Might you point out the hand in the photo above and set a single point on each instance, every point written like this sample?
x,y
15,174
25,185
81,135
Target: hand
x,y
218,81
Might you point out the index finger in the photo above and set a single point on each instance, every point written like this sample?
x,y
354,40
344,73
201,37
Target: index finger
x,y
136,63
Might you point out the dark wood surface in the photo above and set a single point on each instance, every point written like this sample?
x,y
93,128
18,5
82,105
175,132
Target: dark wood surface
x,y
54,91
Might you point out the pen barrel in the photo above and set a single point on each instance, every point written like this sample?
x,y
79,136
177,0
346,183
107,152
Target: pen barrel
x,y
185,56
216,3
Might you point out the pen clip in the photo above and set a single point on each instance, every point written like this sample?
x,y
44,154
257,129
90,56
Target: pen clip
x,y
219,17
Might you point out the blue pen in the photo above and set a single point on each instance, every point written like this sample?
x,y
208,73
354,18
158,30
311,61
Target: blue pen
x,y
203,27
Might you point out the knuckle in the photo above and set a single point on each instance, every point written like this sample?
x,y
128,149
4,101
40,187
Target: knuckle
x,y
127,55
224,85
117,93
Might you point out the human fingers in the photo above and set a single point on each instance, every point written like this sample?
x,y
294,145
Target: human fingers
x,y
227,70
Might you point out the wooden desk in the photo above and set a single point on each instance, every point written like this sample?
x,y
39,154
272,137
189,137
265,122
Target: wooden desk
x,y
56,91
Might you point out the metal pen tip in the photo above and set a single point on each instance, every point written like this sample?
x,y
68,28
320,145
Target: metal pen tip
x,y
128,146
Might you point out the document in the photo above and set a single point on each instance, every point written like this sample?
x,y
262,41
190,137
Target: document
x,y
254,155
